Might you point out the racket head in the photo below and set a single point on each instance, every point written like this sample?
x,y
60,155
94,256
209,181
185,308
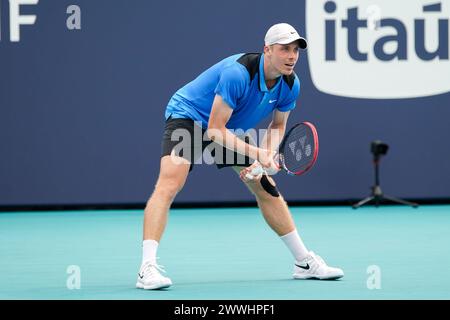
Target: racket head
x,y
299,149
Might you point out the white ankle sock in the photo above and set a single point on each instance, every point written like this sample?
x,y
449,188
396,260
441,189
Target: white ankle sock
x,y
149,248
295,245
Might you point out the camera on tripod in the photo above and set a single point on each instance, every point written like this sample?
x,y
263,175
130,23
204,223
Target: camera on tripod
x,y
379,149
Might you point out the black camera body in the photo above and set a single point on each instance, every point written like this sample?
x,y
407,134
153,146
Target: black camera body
x,y
379,148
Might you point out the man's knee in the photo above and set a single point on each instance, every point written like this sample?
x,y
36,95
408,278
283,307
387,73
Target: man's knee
x,y
167,188
171,179
269,186
265,188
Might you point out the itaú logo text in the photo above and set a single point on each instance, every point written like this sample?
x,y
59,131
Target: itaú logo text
x,y
379,49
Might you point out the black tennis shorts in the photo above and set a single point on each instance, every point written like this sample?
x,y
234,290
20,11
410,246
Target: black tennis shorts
x,y
187,139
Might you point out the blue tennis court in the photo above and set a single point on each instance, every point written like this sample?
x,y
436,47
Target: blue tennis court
x,y
390,252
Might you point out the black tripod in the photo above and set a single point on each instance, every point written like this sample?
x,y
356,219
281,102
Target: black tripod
x,y
379,149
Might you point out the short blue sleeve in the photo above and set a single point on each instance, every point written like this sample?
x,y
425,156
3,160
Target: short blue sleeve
x,y
231,85
289,102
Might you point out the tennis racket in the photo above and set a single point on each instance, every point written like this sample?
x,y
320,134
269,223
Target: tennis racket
x,y
297,152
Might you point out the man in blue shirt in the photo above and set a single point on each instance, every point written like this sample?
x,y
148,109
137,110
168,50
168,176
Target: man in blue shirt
x,y
233,95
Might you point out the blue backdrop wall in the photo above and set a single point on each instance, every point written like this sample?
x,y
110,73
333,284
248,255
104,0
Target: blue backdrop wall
x,y
82,110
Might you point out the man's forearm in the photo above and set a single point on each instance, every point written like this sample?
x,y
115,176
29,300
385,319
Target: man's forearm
x,y
273,137
229,140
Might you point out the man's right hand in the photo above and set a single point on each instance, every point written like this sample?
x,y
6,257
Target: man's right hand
x,y
266,159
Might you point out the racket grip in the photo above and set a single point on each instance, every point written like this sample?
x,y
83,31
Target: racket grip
x,y
257,171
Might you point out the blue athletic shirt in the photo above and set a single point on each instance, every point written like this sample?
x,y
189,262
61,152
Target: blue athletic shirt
x,y
239,80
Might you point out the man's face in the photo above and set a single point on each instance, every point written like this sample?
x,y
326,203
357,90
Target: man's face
x,y
283,57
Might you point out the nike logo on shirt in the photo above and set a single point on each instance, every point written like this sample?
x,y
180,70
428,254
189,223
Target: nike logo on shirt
x,y
272,101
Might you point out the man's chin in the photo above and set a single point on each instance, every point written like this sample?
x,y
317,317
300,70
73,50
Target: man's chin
x,y
287,72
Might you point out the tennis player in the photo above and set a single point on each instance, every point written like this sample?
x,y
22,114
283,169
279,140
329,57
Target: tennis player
x,y
236,93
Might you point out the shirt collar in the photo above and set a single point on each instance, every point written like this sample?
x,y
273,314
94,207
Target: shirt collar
x,y
262,82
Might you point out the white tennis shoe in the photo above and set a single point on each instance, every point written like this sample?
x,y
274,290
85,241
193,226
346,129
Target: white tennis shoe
x,y
150,278
313,267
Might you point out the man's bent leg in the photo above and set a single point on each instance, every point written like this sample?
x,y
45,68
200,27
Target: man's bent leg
x,y
272,204
172,176
276,213
171,180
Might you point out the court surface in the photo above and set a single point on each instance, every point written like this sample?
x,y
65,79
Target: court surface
x,y
213,254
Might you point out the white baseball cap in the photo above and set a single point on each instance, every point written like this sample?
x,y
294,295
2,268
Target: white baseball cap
x,y
283,33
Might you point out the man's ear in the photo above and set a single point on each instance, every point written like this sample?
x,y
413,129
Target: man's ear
x,y
266,49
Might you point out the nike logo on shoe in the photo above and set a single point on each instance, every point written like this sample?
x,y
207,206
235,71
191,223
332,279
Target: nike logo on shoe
x,y
140,276
303,267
